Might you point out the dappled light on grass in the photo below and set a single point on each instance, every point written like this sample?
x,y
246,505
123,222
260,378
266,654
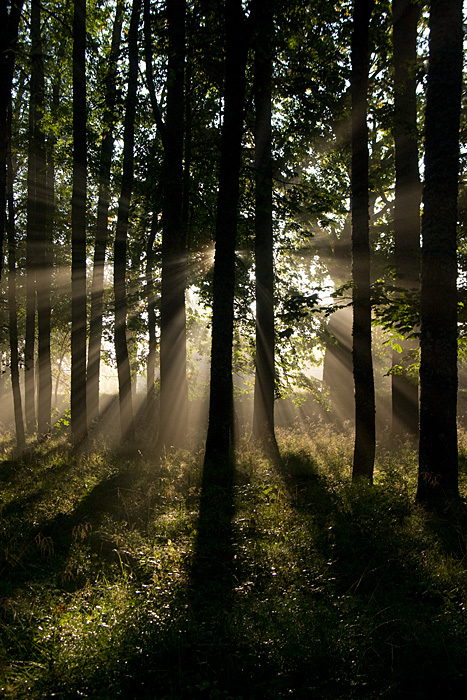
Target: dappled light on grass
x,y
327,589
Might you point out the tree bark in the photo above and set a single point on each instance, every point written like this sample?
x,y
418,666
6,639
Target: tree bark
x,y
263,415
173,412
9,23
219,436
36,206
97,288
152,348
12,308
78,225
43,269
364,449
406,14
120,247
438,456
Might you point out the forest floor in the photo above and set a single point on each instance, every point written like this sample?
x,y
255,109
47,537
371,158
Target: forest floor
x,y
119,579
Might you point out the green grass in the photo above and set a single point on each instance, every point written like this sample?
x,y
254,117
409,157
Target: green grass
x,y
303,586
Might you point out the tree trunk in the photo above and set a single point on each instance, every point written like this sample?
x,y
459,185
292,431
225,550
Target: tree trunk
x,y
9,23
97,288
173,410
406,14
120,248
219,436
78,226
36,203
12,310
43,270
438,457
364,449
152,349
263,415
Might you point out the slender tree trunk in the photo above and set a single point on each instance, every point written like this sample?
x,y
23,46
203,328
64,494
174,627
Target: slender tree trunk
x,y
438,457
78,224
219,436
152,349
263,416
43,272
406,14
97,289
120,246
173,410
9,23
364,450
51,211
12,309
36,212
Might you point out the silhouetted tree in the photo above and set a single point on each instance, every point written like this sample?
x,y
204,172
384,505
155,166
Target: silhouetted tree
x,y
173,408
36,209
219,436
263,417
9,23
174,389
364,450
151,301
406,14
438,457
121,234
78,227
97,289
12,303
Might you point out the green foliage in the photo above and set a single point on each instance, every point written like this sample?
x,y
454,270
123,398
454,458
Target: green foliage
x,y
324,588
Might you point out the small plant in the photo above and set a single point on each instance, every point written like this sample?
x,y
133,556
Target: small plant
x,y
310,586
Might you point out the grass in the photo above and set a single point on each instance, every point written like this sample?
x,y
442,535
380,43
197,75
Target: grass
x,y
117,582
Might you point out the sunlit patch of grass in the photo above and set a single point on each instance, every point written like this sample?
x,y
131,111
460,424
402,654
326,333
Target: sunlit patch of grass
x,y
335,590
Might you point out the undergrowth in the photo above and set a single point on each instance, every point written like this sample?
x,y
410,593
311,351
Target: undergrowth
x,y
118,581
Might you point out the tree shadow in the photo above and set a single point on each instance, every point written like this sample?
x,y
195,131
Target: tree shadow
x,y
35,552
395,626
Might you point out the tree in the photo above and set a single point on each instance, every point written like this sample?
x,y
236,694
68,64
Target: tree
x,y
78,226
121,234
364,448
438,457
152,345
12,304
406,14
36,210
219,437
263,417
9,24
174,389
173,407
97,289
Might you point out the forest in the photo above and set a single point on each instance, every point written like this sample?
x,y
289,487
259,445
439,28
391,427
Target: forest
x,y
233,337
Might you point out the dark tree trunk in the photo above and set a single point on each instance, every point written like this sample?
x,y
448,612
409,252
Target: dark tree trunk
x,y
263,415
78,225
364,450
120,247
43,274
97,288
9,23
174,390
219,436
51,203
36,206
438,458
12,309
152,349
406,14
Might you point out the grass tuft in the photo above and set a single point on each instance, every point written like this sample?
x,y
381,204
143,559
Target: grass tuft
x,y
119,581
